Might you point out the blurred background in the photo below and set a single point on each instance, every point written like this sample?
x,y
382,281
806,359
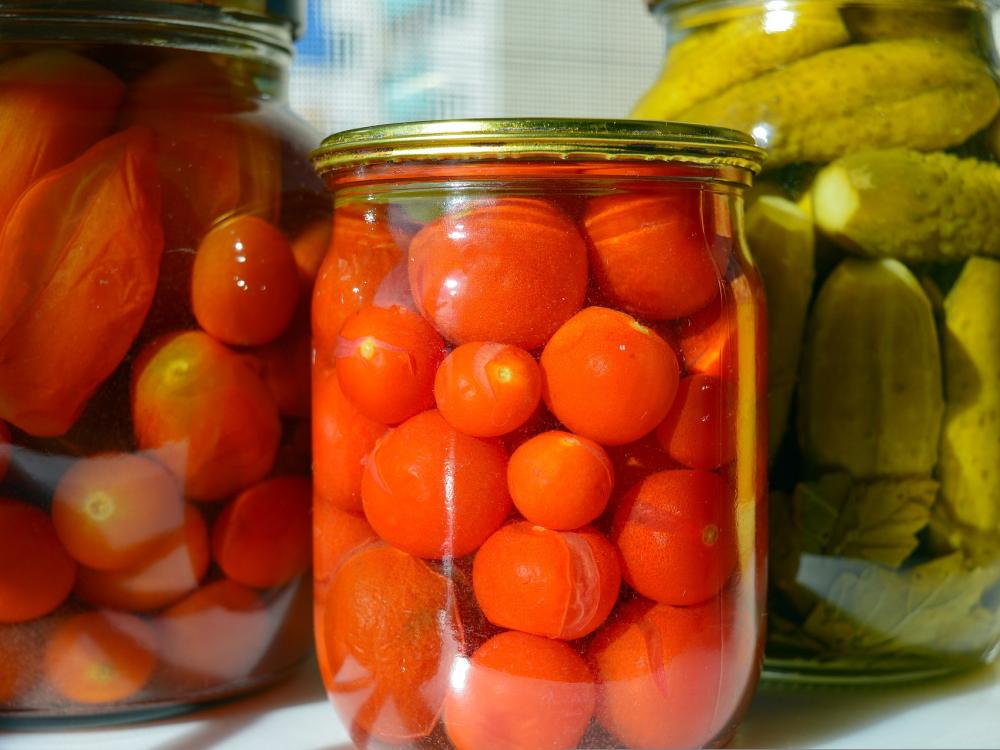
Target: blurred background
x,y
363,62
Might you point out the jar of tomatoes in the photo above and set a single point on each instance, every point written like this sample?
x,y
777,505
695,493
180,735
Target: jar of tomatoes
x,y
538,455
874,225
160,229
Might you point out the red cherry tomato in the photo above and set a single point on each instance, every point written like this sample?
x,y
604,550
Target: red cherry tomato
x,y
487,389
343,438
173,575
660,675
521,691
100,657
433,491
362,251
245,283
205,412
385,361
607,377
117,511
557,584
699,431
512,272
650,254
707,339
36,573
560,480
262,539
675,532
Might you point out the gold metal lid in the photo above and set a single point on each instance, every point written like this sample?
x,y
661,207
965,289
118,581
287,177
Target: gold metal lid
x,y
544,139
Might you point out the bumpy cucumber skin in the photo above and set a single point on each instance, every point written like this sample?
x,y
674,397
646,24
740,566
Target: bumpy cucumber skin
x,y
707,62
782,242
914,93
910,205
870,396
970,437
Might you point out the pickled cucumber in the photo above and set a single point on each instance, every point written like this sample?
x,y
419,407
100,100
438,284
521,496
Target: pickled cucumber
x,y
782,242
915,93
870,397
970,438
909,205
949,26
707,62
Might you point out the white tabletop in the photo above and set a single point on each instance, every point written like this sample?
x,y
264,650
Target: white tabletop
x,y
960,712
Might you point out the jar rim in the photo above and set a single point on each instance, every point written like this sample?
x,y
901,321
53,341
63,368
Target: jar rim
x,y
274,27
667,5
562,139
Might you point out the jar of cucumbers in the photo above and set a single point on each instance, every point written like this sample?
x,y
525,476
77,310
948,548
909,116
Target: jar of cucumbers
x,y
876,227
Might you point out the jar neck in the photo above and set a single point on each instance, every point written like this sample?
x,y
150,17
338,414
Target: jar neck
x,y
691,13
257,50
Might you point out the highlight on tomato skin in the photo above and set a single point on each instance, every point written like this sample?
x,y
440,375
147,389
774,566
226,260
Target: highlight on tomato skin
x,y
385,359
607,377
245,283
81,250
117,511
100,656
204,412
391,633
487,389
520,691
511,271
650,254
676,536
557,584
216,634
342,440
36,572
157,584
560,480
433,491
262,538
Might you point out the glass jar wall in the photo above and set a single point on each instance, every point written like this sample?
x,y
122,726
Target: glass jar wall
x,y
160,228
539,464
874,229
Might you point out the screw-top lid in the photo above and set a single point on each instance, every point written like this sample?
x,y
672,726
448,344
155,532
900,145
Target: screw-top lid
x,y
558,139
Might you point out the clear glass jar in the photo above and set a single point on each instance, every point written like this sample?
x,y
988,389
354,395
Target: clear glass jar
x,y
874,228
161,228
539,464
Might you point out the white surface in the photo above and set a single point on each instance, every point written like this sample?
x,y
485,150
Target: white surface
x,y
962,712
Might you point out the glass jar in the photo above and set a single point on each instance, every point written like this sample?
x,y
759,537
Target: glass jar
x,y
874,228
161,228
539,466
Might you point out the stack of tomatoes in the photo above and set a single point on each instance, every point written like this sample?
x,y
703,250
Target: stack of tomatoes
x,y
154,380
526,441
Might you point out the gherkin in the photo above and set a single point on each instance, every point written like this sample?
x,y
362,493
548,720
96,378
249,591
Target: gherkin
x,y
709,61
909,205
870,396
970,439
913,92
781,240
868,23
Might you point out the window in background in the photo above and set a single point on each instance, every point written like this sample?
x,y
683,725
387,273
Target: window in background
x,y
363,62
